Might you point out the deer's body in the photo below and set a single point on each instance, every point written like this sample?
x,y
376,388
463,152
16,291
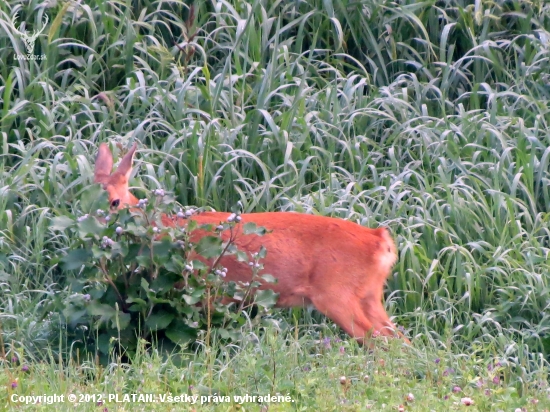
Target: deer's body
x,y
338,266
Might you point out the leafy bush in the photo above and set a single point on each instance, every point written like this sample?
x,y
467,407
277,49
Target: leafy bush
x,y
135,278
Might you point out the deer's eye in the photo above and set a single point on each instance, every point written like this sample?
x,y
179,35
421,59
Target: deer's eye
x,y
115,203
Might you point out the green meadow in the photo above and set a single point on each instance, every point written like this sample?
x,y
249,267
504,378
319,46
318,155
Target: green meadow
x,y
429,117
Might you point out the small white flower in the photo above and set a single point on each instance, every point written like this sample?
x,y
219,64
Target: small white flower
x,y
156,229
119,230
231,217
189,212
220,273
106,242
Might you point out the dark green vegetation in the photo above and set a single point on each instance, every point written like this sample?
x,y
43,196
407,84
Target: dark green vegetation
x,y
127,265
430,117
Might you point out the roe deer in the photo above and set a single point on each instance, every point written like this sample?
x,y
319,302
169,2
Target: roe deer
x,y
338,266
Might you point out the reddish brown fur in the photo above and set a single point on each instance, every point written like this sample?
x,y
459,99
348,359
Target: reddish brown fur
x,y
338,266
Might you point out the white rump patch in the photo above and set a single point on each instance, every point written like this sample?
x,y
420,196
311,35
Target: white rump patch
x,y
387,260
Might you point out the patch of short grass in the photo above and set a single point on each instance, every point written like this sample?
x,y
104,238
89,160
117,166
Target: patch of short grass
x,y
430,118
326,374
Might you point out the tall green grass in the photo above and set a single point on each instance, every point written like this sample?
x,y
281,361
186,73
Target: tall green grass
x,y
429,117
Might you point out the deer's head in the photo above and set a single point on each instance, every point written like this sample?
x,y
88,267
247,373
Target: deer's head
x,y
29,39
116,183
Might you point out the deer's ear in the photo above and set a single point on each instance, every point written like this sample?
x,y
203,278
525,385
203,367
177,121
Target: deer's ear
x,y
125,166
103,164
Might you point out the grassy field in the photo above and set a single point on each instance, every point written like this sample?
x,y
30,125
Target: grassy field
x,y
429,117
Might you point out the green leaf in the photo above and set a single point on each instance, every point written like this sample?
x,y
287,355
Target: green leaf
x,y
136,230
145,285
123,320
104,311
139,303
99,253
180,333
162,248
252,229
191,300
191,225
242,256
154,299
165,282
90,226
119,249
228,334
159,320
143,260
107,313
209,247
198,265
94,198
4,276
133,252
61,223
103,342
269,278
266,298
176,264
75,259
262,253
249,228
195,296
74,316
